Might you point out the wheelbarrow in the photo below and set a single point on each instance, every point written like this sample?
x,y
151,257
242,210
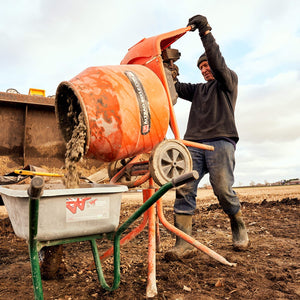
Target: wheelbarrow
x,y
127,110
39,235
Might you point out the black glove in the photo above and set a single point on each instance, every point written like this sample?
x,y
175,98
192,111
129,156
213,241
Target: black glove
x,y
199,22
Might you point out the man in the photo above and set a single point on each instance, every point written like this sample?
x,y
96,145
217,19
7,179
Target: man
x,y
211,121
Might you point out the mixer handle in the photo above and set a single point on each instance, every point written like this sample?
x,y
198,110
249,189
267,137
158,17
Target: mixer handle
x,y
193,27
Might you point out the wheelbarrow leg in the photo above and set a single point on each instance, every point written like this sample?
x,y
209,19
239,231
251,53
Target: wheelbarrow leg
x,y
35,271
34,193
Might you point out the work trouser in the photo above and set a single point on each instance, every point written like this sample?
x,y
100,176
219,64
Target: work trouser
x,y
220,166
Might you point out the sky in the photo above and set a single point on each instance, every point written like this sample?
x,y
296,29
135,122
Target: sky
x,y
44,42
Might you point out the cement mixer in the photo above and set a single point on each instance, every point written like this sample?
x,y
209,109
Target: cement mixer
x,y
127,110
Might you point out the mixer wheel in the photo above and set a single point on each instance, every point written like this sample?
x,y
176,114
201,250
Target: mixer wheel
x,y
169,159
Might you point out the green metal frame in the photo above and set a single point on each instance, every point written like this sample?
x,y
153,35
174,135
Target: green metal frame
x,y
34,245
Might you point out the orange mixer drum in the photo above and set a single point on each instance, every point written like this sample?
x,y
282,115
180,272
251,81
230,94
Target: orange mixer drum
x,y
125,110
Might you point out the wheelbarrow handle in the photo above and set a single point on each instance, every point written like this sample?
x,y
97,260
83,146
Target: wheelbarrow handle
x,y
35,189
182,179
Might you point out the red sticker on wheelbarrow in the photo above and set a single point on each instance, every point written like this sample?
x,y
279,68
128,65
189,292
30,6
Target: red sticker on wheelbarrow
x,y
142,101
87,208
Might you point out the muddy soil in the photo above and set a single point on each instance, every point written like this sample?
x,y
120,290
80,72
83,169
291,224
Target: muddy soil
x,y
270,269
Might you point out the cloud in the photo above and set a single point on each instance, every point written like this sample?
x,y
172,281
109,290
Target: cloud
x,y
270,111
267,161
268,121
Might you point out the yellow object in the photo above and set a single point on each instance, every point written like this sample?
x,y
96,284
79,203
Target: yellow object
x,y
37,92
31,173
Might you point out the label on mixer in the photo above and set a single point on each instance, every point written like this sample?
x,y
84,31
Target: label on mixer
x,y
142,101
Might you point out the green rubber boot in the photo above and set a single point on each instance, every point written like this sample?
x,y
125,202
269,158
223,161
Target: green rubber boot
x,y
182,249
240,240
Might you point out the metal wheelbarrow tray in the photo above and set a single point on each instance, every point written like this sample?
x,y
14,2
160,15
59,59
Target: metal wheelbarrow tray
x,y
65,213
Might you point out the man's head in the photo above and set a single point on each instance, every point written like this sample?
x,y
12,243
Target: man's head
x,y
204,67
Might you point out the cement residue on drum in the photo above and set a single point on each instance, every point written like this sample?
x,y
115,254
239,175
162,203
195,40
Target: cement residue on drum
x,y
75,151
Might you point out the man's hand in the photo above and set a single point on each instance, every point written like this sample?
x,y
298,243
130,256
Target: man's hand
x,y
201,23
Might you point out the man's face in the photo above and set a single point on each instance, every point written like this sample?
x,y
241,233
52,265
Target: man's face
x,y
206,71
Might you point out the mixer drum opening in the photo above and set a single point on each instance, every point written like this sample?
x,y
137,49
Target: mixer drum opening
x,y
68,109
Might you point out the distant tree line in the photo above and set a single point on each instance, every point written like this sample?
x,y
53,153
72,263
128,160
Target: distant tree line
x,y
281,182
292,181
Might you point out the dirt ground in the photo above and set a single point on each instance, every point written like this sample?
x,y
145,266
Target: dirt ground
x,y
270,269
